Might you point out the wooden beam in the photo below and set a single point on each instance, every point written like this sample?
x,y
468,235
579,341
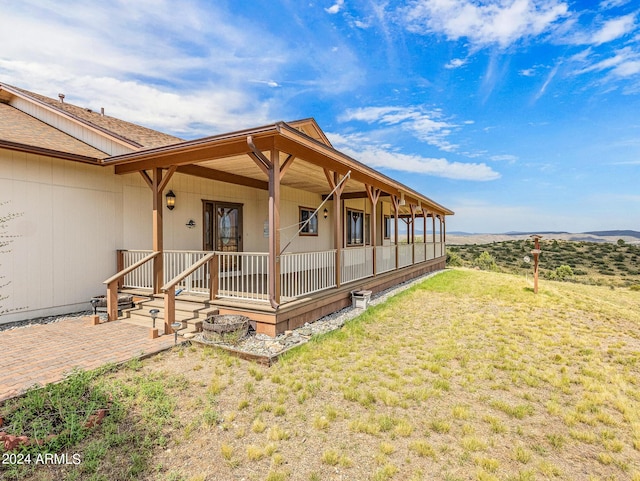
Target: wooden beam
x,y
356,195
221,176
192,154
261,161
286,164
167,178
146,178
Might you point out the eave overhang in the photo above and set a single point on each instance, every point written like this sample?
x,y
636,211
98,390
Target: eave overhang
x,y
5,144
279,136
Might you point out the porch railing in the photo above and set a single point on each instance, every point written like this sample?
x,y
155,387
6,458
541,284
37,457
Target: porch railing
x,y
385,258
307,272
245,275
405,252
357,263
142,276
176,262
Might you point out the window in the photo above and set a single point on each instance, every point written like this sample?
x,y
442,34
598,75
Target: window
x,y
367,229
355,227
387,227
310,227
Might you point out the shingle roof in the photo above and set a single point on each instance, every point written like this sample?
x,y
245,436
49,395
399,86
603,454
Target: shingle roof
x,y
20,128
142,137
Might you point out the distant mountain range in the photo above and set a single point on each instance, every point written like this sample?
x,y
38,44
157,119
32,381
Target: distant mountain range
x,y
602,233
629,236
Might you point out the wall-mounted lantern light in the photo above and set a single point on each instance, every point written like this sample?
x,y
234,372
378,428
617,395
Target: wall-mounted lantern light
x,y
171,200
191,224
325,213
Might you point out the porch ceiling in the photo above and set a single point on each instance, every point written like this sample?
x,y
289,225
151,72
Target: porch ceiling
x,y
301,174
227,158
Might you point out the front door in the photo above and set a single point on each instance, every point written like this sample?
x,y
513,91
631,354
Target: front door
x,y
222,223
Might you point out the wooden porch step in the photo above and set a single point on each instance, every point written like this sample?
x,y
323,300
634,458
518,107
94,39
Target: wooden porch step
x,y
190,313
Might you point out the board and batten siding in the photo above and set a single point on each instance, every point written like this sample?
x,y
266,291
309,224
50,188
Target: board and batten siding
x,y
69,227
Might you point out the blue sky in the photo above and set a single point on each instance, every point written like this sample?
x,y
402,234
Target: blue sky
x,y
517,114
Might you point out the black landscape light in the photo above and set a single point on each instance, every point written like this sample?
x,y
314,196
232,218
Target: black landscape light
x,y
154,313
94,303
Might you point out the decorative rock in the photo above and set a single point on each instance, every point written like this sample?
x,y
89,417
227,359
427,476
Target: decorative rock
x,y
305,331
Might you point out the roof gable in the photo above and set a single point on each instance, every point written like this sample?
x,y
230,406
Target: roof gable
x,y
310,128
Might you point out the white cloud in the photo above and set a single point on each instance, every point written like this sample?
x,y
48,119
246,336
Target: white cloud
x,y
501,22
335,8
625,63
382,157
201,71
527,72
455,63
504,158
614,29
607,4
546,83
427,126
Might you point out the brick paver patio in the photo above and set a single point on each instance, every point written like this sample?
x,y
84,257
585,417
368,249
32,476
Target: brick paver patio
x,y
42,354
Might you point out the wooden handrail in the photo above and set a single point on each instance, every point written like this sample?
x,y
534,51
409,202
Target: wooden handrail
x,y
132,267
112,285
177,279
170,288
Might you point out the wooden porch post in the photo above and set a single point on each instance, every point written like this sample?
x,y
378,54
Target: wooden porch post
x,y
274,225
374,194
424,229
433,230
444,229
213,277
334,178
271,167
120,265
413,208
158,261
396,210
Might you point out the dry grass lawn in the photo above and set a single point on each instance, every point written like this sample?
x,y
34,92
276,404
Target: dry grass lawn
x,y
467,376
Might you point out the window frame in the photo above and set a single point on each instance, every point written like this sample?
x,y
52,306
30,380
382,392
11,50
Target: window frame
x,y
387,227
347,232
306,232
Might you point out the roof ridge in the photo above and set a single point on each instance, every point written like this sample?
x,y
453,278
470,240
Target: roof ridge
x,y
134,135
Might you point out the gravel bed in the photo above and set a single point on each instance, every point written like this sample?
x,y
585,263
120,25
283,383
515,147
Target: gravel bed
x,y
7,326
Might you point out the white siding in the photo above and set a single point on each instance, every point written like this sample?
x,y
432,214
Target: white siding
x,y
66,236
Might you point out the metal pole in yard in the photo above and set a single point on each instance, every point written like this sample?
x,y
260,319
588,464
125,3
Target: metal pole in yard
x,y
536,253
